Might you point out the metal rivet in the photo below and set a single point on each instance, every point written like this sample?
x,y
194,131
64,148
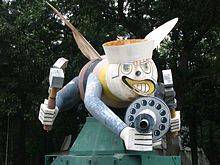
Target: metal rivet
x,y
157,133
133,111
158,106
162,112
130,118
163,119
137,105
131,124
151,102
162,127
144,102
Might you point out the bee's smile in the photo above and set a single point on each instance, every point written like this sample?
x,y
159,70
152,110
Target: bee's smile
x,y
143,87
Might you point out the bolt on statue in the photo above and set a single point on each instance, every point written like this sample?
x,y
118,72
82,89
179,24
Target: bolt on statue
x,y
125,77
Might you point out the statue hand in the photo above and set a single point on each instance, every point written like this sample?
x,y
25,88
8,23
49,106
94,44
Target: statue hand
x,y
136,141
47,116
175,122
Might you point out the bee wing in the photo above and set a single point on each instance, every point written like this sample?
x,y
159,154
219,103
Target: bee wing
x,y
161,32
85,47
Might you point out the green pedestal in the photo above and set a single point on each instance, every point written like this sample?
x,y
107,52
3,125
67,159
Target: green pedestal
x,y
99,146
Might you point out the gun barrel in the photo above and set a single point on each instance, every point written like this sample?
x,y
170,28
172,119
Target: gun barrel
x,y
144,123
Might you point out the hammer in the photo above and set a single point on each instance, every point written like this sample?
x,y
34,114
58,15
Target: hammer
x,y
56,79
169,92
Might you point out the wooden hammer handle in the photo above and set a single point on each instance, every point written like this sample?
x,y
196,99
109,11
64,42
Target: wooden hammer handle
x,y
52,98
173,115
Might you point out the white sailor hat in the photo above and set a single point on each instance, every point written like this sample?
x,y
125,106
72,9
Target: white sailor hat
x,y
125,51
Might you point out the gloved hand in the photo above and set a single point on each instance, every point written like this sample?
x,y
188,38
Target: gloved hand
x,y
47,116
175,122
136,141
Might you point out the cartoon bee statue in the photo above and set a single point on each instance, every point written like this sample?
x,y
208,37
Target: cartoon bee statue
x,y
126,77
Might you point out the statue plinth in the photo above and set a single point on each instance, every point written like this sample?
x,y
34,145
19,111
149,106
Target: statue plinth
x,y
97,145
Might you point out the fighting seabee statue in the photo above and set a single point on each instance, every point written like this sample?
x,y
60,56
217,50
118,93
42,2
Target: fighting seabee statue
x,y
126,77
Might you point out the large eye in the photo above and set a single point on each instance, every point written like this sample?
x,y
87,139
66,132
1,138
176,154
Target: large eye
x,y
146,67
126,68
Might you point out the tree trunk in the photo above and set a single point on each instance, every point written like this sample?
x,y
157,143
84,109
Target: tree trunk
x,y
211,146
184,69
201,134
193,141
19,147
7,141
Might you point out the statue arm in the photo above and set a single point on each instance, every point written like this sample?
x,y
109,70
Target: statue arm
x,y
98,109
66,98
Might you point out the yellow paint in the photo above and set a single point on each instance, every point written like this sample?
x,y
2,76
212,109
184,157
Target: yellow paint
x,y
53,93
149,83
145,67
126,68
173,115
105,86
124,42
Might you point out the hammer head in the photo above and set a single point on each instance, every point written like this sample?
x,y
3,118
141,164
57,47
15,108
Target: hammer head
x,y
167,78
61,63
56,78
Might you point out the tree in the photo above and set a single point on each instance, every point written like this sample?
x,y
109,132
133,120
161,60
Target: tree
x,y
27,52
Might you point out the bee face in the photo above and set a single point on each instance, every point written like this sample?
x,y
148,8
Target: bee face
x,y
139,76
126,82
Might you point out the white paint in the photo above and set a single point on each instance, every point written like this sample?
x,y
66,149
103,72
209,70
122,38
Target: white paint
x,y
161,32
61,63
167,77
128,53
56,77
118,88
